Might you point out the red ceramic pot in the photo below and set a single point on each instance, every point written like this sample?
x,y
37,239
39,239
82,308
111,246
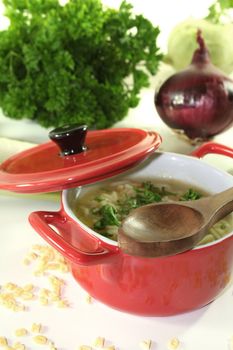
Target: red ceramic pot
x,y
145,286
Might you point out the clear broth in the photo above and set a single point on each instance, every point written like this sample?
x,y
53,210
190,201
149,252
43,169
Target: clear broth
x,y
116,194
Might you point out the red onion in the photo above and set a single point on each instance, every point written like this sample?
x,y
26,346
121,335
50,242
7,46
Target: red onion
x,y
199,99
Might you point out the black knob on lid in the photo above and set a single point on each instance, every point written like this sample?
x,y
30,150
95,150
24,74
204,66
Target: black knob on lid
x,y
69,138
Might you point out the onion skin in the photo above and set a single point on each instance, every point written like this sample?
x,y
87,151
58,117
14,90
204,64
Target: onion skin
x,y
197,100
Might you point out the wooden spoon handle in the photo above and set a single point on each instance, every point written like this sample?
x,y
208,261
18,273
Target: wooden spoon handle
x,y
216,207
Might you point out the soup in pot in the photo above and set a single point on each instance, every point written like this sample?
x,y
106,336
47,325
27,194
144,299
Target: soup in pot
x,y
103,208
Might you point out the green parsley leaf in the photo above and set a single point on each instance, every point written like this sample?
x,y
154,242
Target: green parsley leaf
x,y
190,195
108,217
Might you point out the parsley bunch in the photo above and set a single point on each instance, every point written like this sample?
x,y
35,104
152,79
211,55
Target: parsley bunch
x,y
78,63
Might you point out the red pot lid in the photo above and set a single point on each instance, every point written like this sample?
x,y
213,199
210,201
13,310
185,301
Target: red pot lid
x,y
56,165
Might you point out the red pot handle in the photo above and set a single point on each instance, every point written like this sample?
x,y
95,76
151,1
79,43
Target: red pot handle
x,y
212,147
82,249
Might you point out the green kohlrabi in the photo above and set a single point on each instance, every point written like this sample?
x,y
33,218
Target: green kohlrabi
x,y
218,38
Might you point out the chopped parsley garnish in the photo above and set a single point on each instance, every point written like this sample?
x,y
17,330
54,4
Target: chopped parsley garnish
x,y
190,195
109,215
113,215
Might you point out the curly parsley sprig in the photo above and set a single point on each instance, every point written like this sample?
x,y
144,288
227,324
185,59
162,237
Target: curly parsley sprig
x,y
78,63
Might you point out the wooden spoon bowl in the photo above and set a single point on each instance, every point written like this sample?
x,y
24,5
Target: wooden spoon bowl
x,y
162,229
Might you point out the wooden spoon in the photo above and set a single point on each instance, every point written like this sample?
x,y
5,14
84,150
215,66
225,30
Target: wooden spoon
x,y
162,229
